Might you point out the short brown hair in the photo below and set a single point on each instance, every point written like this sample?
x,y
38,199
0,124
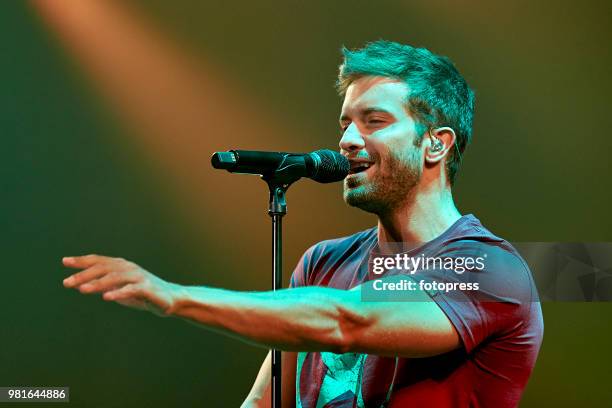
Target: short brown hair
x,y
438,95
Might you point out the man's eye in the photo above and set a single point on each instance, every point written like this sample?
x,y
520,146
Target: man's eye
x,y
375,123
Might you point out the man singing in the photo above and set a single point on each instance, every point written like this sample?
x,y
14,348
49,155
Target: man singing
x,y
406,120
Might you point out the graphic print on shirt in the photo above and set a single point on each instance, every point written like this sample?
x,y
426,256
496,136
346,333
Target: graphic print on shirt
x,y
338,380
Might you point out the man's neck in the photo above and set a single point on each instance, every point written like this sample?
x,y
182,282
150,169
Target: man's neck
x,y
425,216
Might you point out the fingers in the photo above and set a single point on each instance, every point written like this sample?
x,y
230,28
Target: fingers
x,y
130,295
118,280
126,292
101,272
108,282
84,261
85,276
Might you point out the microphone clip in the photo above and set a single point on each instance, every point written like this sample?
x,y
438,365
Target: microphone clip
x,y
278,184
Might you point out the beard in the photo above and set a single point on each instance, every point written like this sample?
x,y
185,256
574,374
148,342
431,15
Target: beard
x,y
389,187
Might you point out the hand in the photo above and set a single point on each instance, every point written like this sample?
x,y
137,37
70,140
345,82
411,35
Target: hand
x,y
121,281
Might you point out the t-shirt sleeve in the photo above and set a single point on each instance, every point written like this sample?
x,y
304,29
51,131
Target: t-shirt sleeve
x,y
301,272
499,305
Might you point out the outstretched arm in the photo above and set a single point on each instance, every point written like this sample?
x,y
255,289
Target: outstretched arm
x,y
299,319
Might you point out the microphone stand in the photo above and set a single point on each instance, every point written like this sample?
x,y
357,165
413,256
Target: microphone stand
x,y
278,184
323,166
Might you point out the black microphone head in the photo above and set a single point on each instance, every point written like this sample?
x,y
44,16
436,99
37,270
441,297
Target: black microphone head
x,y
329,166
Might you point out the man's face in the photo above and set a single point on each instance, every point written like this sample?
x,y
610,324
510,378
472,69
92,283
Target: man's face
x,y
380,139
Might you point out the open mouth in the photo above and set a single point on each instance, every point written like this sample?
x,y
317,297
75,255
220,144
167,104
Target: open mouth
x,y
359,167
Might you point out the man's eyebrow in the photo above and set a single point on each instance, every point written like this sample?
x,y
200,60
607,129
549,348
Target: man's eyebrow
x,y
374,109
367,111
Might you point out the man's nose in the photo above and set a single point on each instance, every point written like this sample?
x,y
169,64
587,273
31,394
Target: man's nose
x,y
351,139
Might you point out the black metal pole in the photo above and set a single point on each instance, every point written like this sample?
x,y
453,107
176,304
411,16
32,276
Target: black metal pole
x,y
278,208
277,283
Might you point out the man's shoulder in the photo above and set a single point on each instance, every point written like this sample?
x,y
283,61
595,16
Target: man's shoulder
x,y
339,242
343,244
503,270
500,258
472,234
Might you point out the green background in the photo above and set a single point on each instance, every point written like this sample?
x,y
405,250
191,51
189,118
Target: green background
x,y
83,173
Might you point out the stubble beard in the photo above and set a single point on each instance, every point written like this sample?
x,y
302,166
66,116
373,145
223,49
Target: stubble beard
x,y
389,188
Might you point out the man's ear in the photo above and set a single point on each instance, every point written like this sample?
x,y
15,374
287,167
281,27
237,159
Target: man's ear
x,y
439,142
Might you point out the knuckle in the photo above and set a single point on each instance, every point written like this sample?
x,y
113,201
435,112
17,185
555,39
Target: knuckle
x,y
125,269
78,278
86,288
122,263
135,278
130,290
137,289
75,279
130,266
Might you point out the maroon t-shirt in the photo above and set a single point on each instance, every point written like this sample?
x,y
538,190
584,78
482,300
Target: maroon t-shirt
x,y
500,326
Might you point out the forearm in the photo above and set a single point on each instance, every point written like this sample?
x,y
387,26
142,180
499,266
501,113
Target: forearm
x,y
300,319
260,394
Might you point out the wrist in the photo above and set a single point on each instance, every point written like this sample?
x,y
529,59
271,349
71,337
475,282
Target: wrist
x,y
176,294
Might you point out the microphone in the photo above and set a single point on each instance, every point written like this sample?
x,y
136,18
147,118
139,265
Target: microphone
x,y
323,166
